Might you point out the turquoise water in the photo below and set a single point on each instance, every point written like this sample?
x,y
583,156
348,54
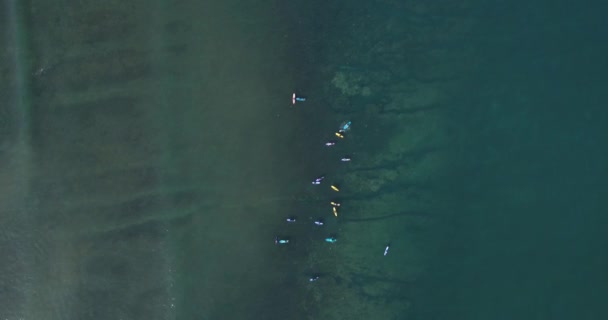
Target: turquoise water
x,y
150,155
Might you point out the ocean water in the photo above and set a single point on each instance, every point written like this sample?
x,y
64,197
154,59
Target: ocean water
x,y
149,155
525,238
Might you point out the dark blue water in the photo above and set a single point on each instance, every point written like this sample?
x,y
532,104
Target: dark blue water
x,y
525,238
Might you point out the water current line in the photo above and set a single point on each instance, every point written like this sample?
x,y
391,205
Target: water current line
x,y
19,156
21,54
158,60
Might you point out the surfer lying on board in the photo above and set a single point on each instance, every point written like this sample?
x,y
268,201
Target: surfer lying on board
x,y
295,98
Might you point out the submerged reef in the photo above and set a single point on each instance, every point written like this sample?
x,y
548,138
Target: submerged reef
x,y
393,78
351,84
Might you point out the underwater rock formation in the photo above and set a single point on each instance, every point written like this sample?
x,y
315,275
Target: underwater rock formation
x,y
395,85
351,84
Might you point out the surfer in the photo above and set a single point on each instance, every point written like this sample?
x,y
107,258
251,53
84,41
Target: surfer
x,y
295,98
279,240
331,239
318,180
344,126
